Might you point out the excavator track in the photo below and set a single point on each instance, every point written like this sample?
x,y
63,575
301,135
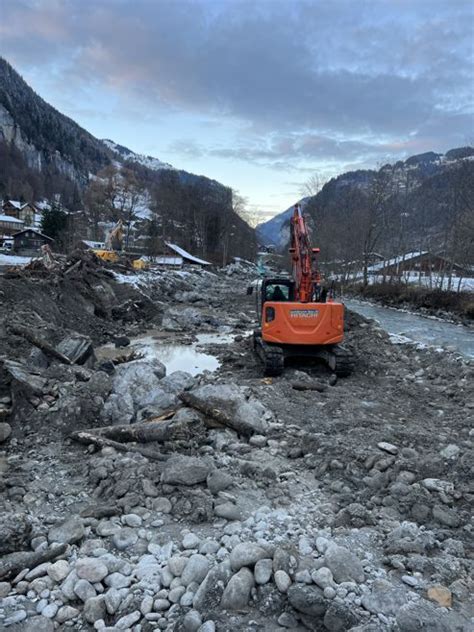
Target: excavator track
x,y
338,358
272,356
344,361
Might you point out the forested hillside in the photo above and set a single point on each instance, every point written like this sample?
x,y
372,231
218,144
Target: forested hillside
x,y
423,203
44,154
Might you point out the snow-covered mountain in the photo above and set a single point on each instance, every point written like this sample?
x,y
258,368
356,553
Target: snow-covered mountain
x,y
406,177
128,155
276,231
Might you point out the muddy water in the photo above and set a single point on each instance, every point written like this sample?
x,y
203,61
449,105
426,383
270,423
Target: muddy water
x,y
175,356
405,327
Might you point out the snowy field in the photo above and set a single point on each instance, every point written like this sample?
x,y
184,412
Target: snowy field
x,y
13,260
435,282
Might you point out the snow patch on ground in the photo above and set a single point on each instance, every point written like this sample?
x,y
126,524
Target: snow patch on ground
x,y
13,260
436,282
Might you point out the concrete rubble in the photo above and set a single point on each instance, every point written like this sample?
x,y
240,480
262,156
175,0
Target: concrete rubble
x,y
343,509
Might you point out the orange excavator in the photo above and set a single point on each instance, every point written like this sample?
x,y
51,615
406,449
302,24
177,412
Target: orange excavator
x,y
299,318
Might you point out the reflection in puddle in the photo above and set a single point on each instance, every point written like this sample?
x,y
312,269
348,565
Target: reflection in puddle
x,y
215,339
176,357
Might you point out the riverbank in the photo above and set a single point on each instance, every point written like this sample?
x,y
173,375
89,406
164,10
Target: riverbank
x,y
450,306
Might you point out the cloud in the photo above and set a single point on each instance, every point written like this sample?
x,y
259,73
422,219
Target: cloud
x,y
332,82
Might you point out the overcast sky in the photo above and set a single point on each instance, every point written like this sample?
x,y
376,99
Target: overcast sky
x,y
258,95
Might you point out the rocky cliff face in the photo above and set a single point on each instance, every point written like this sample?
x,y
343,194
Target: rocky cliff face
x,y
46,138
46,153
10,132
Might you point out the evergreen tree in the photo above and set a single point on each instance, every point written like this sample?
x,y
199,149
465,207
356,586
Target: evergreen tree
x,y
54,222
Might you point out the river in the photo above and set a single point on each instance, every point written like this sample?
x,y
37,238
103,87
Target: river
x,y
412,328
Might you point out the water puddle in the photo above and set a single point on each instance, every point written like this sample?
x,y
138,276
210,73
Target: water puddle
x,y
223,338
176,356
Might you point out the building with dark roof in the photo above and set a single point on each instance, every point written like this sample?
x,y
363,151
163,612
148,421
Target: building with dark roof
x,y
28,242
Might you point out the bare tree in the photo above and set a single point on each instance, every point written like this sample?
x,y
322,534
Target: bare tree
x,y
126,199
313,185
374,218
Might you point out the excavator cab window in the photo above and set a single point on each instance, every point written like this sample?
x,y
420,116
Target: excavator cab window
x,y
278,291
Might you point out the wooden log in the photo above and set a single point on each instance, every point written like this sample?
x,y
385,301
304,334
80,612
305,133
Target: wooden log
x,y
73,267
167,414
13,563
215,417
146,432
90,438
40,343
309,386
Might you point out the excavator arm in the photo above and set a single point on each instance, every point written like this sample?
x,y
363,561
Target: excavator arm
x,y
304,258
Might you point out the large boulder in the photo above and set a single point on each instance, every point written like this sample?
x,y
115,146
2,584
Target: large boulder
x,y
135,385
308,600
344,565
185,470
208,595
76,347
25,381
385,598
237,592
421,615
246,554
248,414
339,617
118,409
68,532
15,529
177,382
178,319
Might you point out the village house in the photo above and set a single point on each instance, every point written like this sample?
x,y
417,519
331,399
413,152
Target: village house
x,y
168,261
187,258
422,264
28,213
10,225
28,242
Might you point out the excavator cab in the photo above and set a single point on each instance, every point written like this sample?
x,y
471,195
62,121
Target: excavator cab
x,y
278,290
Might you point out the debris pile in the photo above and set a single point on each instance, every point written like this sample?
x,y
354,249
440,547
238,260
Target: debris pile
x,y
139,499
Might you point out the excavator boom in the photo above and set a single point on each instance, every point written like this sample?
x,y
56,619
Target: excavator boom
x,y
305,272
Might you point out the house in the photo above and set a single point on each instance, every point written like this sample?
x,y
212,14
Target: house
x,y
88,244
27,212
28,242
167,261
12,207
422,263
186,256
10,225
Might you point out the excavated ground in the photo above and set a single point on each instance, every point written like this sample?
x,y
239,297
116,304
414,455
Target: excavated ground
x,y
342,508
